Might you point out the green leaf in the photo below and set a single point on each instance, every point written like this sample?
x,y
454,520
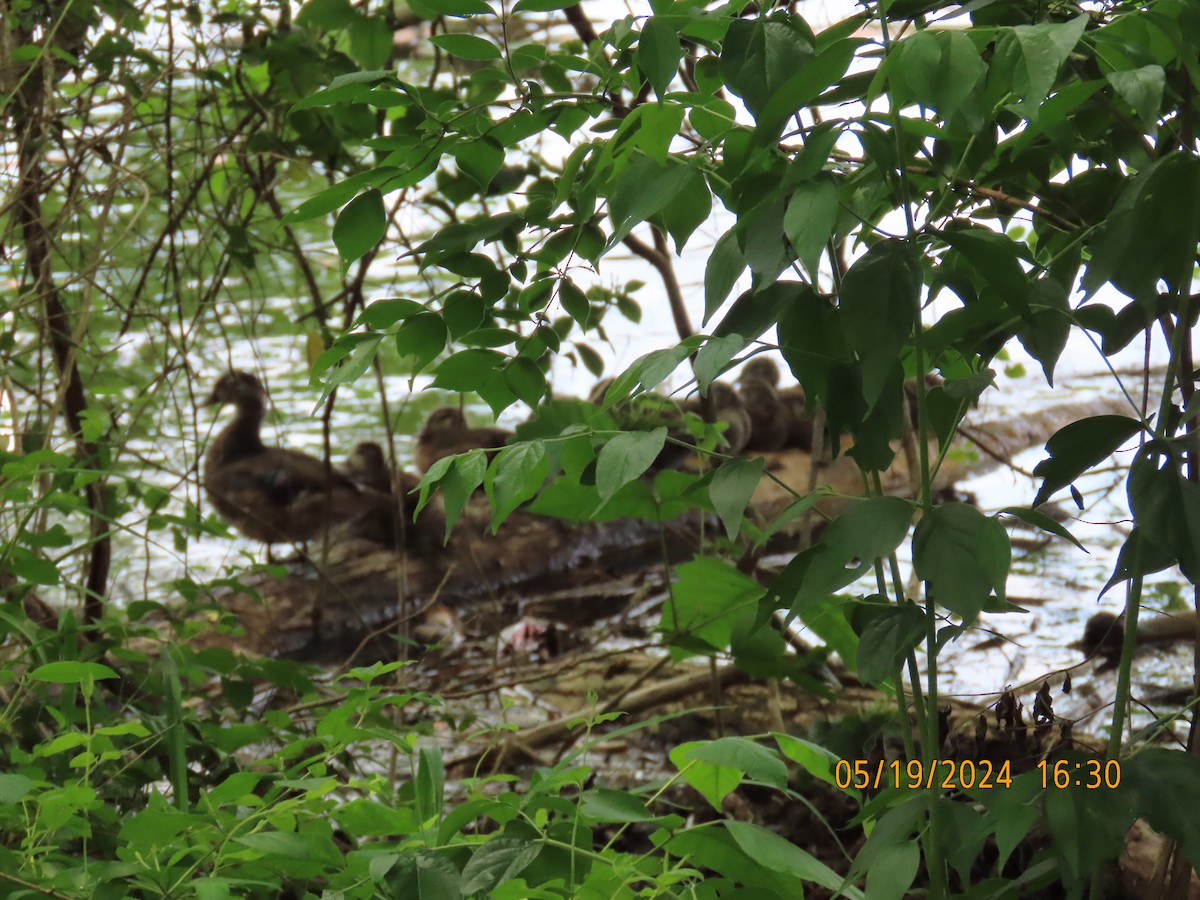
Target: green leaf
x,y
1088,826
811,215
526,380
714,782
893,872
725,265
1138,556
370,44
758,58
430,784
1046,336
1166,504
938,69
467,370
802,88
423,337
626,457
575,303
1039,519
963,555
755,311
732,486
479,159
641,191
715,356
688,209
463,312
13,788
889,636
382,314
1142,89
498,860
1044,49
709,600
31,568
326,14
515,476
1152,231
658,54
1077,447
360,225
542,5
467,46
462,478
781,855
868,530
758,762
880,300
604,805
1165,789
69,672
813,758
367,818
459,8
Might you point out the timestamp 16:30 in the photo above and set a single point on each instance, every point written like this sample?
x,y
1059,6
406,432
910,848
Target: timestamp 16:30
x,y
1090,773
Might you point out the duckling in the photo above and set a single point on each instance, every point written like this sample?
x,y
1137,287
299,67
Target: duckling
x,y
791,405
761,368
768,416
269,494
382,522
446,433
367,466
800,426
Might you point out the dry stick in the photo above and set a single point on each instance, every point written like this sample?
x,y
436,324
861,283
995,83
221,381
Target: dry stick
x,y
30,126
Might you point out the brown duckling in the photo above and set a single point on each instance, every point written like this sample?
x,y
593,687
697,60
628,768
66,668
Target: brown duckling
x,y
791,401
768,415
446,433
1104,633
367,467
270,494
761,368
800,424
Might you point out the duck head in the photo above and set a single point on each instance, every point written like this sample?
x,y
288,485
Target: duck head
x,y
238,388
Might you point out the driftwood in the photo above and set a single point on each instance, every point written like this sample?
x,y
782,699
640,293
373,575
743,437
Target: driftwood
x,y
351,600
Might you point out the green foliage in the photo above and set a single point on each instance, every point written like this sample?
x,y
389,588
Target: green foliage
x,y
991,166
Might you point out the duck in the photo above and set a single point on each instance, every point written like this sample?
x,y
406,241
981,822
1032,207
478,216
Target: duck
x,y
447,433
387,522
1104,633
270,494
792,403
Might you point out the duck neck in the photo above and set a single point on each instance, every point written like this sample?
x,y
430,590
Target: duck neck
x,y
242,436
